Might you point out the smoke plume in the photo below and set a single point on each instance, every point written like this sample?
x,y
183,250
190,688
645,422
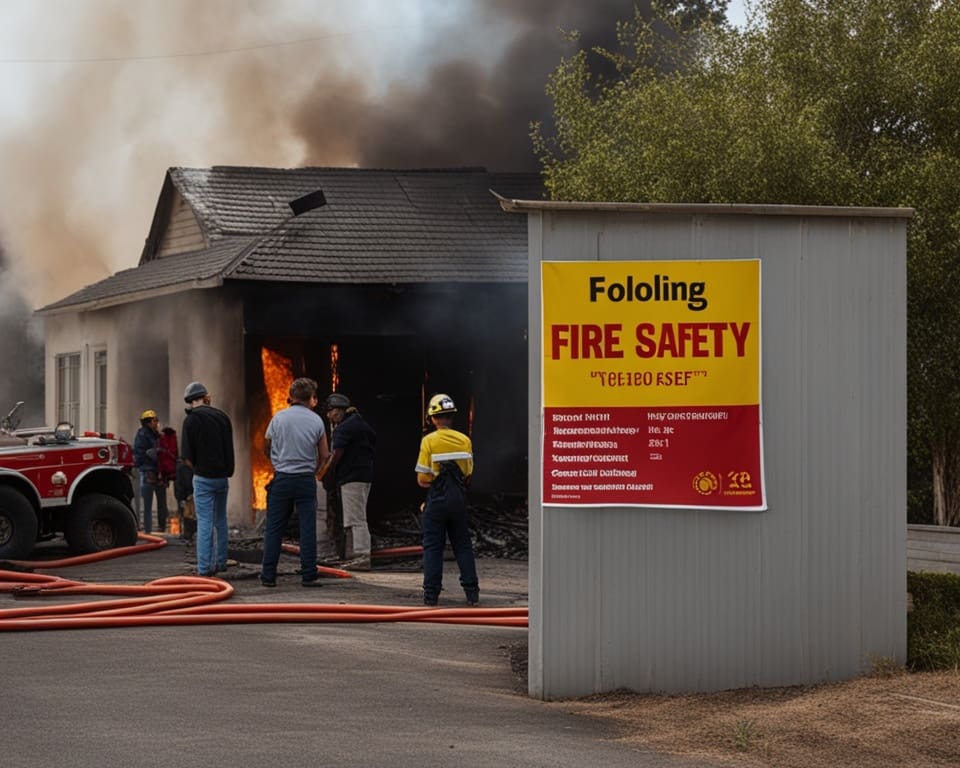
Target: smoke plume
x,y
21,350
120,91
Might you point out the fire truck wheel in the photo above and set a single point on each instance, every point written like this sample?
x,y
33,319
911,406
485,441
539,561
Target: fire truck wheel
x,y
100,522
18,525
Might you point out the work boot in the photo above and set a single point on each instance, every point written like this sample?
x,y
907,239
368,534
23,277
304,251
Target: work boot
x,y
267,582
358,563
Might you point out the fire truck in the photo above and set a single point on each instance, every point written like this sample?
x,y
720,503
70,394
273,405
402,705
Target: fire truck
x,y
53,482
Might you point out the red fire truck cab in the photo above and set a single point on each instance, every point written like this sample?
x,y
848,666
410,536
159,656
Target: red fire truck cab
x,y
53,482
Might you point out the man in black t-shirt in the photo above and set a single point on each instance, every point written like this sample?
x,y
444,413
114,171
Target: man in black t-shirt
x,y
351,471
207,448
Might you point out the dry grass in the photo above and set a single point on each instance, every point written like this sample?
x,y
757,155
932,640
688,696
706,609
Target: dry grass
x,y
888,719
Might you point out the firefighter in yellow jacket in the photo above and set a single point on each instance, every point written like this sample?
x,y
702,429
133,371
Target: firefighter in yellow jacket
x,y
444,468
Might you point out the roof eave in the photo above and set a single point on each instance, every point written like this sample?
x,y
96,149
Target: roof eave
x,y
129,298
713,209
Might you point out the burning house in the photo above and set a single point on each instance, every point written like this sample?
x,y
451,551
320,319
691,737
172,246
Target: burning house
x,y
385,285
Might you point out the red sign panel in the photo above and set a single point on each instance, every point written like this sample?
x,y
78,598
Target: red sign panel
x,y
652,456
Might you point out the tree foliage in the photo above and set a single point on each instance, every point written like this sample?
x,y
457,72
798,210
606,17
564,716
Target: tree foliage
x,y
831,102
688,14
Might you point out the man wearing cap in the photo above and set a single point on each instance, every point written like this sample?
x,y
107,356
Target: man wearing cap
x,y
207,448
351,472
296,444
145,459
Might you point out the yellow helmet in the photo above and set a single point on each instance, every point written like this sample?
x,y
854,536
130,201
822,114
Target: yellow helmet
x,y
148,414
441,404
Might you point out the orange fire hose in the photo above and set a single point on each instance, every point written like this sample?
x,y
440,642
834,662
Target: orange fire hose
x,y
194,600
397,552
153,542
339,573
156,542
190,600
293,549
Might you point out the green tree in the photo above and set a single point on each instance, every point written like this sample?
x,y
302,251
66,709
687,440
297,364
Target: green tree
x,y
832,102
692,13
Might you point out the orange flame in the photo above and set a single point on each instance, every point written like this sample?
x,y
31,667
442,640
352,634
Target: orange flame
x,y
277,375
334,367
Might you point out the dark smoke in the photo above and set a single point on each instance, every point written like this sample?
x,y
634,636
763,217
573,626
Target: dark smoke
x,y
83,168
21,352
466,112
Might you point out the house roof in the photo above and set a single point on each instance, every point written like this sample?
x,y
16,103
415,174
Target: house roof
x,y
199,269
378,226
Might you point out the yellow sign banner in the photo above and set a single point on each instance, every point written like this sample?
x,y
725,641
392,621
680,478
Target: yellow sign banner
x,y
660,333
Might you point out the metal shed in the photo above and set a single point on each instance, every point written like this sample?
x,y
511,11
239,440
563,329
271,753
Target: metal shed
x,y
810,589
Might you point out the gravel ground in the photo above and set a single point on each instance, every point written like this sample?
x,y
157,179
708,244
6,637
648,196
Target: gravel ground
x,y
893,719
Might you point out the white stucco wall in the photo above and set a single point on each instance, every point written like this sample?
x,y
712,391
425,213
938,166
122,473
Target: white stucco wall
x,y
154,349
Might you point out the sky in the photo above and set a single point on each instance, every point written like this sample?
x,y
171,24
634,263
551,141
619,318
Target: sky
x,y
736,13
99,97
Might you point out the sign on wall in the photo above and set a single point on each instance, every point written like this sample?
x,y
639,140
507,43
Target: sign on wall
x,y
651,384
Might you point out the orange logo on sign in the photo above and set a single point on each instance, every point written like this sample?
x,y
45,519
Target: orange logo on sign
x,y
705,483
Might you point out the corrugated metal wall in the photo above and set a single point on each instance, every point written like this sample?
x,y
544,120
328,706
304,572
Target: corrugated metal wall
x,y
699,600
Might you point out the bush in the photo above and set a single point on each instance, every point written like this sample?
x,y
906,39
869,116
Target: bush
x,y
933,626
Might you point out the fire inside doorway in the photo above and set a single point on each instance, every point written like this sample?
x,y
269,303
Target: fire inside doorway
x,y
389,380
389,347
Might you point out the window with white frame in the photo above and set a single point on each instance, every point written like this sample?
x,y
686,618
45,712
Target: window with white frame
x,y
100,390
68,387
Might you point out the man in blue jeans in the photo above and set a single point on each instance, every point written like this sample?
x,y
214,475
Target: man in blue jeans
x,y
145,445
296,444
207,448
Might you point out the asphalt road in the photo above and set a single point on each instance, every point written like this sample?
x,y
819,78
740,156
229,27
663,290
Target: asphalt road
x,y
361,695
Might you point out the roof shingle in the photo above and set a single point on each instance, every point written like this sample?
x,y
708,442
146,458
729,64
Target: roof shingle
x,y
378,226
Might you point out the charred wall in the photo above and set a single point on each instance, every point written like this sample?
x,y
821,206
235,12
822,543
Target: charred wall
x,y
396,345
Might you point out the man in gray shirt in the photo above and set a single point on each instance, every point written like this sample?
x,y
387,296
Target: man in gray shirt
x,y
296,444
